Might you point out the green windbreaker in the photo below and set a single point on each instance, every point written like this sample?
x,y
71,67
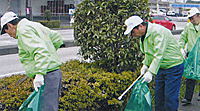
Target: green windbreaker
x,y
160,48
189,35
38,47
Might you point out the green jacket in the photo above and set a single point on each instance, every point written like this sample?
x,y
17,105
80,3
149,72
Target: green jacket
x,y
189,35
38,47
160,48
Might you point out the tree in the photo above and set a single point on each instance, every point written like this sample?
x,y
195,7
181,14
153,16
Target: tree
x,y
48,15
99,30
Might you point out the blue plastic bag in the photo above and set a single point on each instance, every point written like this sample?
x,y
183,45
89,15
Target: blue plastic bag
x,y
32,103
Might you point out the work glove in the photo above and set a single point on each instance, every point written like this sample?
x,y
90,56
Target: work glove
x,y
183,53
38,81
147,77
143,69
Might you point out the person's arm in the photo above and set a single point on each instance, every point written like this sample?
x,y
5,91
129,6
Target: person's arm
x,y
56,38
183,38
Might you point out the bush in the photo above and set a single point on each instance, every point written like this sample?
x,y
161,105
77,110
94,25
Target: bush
x,y
84,88
99,30
13,94
51,24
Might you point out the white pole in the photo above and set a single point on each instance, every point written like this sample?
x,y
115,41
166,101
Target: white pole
x,y
120,97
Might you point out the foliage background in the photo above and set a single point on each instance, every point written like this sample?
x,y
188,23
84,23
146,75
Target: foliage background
x,y
99,30
84,88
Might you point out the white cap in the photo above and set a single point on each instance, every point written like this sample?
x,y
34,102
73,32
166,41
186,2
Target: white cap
x,y
132,22
192,12
7,17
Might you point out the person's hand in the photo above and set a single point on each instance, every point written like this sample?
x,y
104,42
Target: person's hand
x,y
38,81
147,77
143,69
183,53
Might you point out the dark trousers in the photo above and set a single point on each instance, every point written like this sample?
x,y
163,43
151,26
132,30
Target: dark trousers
x,y
168,83
190,85
50,96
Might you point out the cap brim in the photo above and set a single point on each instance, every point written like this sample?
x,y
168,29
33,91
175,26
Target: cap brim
x,y
128,30
2,31
190,16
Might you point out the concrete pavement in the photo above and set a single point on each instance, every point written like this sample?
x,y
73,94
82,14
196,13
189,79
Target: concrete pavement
x,y
195,106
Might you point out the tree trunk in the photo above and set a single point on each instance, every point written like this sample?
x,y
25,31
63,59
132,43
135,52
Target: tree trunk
x,y
9,1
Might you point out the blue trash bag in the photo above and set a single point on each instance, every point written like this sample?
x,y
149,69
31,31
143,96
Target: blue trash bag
x,y
32,103
140,99
192,63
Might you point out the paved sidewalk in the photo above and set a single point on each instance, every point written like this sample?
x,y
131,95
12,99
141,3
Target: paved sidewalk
x,y
195,106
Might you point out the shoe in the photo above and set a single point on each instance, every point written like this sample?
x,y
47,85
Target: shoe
x,y
186,101
198,99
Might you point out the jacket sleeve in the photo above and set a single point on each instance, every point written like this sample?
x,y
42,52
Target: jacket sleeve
x,y
183,38
159,44
56,38
35,51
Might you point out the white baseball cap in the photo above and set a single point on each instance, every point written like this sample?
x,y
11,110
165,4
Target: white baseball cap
x,y
6,18
192,12
132,22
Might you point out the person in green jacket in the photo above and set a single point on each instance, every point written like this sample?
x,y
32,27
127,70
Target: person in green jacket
x,y
188,38
37,48
163,58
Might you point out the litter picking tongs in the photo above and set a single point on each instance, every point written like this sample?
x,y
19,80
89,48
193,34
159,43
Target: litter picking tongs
x,y
120,97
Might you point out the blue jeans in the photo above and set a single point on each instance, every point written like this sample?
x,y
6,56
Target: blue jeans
x,y
168,83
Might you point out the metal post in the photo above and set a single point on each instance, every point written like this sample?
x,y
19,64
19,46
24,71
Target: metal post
x,y
26,8
31,15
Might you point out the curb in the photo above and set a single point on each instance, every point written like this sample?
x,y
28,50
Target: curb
x,y
13,49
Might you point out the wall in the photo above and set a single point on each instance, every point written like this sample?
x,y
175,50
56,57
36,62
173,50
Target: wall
x,y
19,6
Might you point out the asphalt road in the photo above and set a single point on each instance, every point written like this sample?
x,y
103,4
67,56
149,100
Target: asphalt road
x,y
5,39
10,64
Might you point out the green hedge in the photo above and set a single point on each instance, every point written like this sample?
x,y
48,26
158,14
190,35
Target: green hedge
x,y
84,88
51,24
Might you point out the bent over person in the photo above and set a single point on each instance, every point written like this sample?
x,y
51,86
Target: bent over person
x,y
37,47
163,59
189,36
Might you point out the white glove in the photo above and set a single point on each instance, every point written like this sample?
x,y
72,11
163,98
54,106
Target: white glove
x,y
183,53
38,81
143,69
148,77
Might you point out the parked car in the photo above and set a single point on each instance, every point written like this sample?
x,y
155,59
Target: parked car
x,y
160,12
164,21
172,13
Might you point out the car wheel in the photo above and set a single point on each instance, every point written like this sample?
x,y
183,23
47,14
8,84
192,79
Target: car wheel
x,y
173,28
